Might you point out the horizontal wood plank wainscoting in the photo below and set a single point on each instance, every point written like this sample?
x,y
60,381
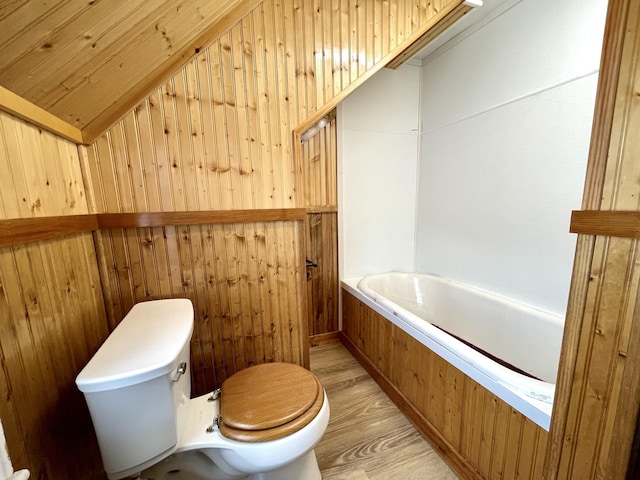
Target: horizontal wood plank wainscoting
x,y
479,435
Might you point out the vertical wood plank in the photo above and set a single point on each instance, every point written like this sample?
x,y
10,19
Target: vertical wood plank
x,y
479,433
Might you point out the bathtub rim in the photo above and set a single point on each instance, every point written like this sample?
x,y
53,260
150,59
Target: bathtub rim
x,y
537,411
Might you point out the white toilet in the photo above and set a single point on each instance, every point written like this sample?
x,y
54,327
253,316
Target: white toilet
x,y
262,425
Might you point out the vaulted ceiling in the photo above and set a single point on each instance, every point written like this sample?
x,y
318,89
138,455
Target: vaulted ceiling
x,y
89,61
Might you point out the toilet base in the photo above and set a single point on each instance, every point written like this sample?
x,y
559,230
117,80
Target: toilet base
x,y
195,466
304,468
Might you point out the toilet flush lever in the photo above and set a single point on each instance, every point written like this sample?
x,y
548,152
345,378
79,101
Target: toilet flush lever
x,y
181,369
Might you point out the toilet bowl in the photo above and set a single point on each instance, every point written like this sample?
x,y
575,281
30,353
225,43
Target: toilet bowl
x,y
262,424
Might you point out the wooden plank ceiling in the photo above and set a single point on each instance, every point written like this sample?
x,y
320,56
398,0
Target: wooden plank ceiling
x,y
89,61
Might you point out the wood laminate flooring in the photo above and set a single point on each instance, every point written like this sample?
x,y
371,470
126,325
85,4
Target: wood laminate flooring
x,y
368,438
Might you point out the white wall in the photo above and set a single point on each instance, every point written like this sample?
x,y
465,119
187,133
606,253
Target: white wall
x,y
377,170
506,120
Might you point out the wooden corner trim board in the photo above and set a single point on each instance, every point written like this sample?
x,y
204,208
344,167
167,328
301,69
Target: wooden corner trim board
x,y
24,109
18,231
624,224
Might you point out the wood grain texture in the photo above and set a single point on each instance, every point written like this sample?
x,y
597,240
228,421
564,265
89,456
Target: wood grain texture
x,y
241,278
52,315
89,62
159,219
368,437
478,435
606,223
18,106
41,174
217,136
595,414
26,230
318,159
51,321
19,231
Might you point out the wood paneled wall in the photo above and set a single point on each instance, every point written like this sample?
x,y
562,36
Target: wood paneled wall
x,y
52,315
88,62
218,135
241,278
320,168
319,156
596,409
479,435
322,280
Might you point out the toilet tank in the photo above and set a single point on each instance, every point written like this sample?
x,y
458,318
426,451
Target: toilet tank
x,y
133,386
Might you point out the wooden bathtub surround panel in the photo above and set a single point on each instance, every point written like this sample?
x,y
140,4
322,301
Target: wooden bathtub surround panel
x,y
18,106
479,436
596,409
426,429
367,438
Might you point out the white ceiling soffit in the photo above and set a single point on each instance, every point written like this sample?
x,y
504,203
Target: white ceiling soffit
x,y
469,23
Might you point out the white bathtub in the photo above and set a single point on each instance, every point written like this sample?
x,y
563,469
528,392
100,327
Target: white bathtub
x,y
523,336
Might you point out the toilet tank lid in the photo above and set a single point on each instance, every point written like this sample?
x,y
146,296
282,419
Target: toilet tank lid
x,y
145,345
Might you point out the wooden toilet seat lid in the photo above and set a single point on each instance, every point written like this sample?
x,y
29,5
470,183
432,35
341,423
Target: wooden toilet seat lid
x,y
267,396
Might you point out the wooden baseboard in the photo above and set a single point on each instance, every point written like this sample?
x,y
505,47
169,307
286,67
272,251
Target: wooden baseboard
x,y
322,338
448,453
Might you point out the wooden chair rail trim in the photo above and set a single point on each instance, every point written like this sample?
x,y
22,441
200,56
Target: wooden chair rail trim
x,y
18,231
322,209
624,224
158,219
24,230
18,106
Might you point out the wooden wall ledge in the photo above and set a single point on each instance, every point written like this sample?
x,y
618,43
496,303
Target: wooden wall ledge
x,y
18,231
607,223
